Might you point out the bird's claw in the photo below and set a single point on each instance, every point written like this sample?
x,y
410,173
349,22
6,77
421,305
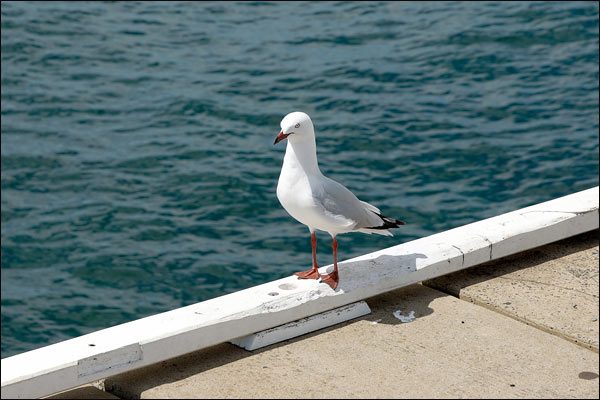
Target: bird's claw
x,y
331,279
310,274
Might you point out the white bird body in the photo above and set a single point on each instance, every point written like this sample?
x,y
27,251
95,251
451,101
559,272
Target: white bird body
x,y
314,199
318,201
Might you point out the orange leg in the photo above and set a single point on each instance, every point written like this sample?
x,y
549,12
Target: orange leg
x,y
312,273
333,278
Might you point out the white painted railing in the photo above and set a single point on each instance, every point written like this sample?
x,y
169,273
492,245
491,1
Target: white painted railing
x,y
159,337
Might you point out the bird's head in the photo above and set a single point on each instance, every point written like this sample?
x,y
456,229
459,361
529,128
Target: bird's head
x,y
295,126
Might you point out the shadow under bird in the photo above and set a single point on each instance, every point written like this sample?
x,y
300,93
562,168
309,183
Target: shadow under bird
x,y
318,201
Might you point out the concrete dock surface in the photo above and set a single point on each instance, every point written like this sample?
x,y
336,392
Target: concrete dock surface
x,y
522,326
554,288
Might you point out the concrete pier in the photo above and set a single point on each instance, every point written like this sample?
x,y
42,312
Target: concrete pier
x,y
524,326
553,288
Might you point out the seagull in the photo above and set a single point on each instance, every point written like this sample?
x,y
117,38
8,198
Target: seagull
x,y
317,201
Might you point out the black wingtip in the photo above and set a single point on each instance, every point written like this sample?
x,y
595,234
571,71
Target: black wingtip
x,y
388,223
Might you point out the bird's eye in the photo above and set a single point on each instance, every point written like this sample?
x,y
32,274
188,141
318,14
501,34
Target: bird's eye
x,y
297,125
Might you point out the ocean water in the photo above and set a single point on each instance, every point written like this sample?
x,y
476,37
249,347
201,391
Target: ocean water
x,y
138,173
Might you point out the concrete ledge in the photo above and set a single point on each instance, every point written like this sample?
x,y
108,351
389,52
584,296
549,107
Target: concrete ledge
x,y
554,288
452,349
150,340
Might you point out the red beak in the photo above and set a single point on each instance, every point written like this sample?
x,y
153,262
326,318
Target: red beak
x,y
280,137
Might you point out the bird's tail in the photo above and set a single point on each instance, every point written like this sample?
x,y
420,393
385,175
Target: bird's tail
x,y
387,223
383,232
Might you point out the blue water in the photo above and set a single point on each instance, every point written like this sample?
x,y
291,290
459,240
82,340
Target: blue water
x,y
138,172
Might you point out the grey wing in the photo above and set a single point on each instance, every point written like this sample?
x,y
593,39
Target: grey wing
x,y
336,199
